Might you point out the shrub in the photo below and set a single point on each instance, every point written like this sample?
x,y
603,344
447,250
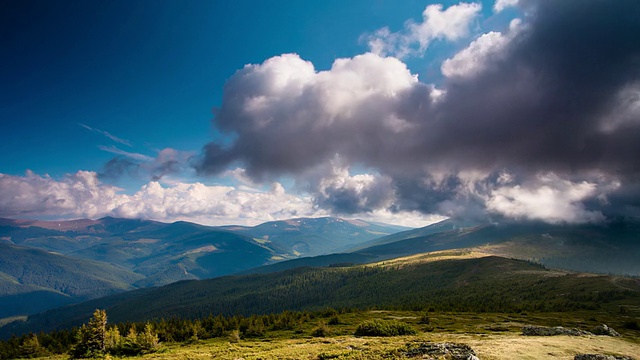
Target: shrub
x,y
321,331
234,336
253,327
327,356
31,348
384,328
148,340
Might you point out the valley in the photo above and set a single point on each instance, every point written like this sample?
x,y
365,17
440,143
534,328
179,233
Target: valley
x,y
478,284
465,296
68,262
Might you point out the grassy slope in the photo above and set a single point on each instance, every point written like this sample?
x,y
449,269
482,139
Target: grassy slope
x,y
604,248
487,347
452,280
492,336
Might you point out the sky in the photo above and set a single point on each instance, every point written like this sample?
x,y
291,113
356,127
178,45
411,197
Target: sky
x,y
241,112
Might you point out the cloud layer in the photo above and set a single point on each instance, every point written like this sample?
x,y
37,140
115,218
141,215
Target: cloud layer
x,y
556,96
84,195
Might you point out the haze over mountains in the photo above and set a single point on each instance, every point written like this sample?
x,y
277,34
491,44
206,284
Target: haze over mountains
x,y
71,261
49,264
611,247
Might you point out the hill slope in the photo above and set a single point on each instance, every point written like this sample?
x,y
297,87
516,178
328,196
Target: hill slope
x,y
456,280
33,280
612,247
161,253
150,253
316,236
46,264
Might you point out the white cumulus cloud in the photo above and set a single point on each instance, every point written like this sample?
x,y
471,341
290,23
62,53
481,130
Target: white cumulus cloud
x,y
82,195
477,57
79,194
500,5
290,116
451,24
550,199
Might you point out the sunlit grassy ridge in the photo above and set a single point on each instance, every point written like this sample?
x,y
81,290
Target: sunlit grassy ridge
x,y
457,280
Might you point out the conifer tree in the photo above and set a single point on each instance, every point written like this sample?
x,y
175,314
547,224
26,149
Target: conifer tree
x,y
98,331
148,340
90,339
31,347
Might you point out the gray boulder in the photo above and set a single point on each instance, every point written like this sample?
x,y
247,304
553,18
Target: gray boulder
x,y
530,330
604,330
428,350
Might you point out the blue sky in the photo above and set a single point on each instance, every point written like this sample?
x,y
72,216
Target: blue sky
x,y
150,73
117,99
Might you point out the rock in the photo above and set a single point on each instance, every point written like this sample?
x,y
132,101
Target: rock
x,y
600,357
530,330
604,330
427,350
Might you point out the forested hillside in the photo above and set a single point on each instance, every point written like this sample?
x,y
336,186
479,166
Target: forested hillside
x,y
69,261
48,264
611,248
453,281
33,280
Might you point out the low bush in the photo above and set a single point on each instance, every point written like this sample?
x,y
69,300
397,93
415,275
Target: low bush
x,y
384,328
321,331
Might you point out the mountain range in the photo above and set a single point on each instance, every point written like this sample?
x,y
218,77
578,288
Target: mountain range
x,y
610,248
45,264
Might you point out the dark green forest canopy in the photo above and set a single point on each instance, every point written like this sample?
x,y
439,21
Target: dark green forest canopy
x,y
485,284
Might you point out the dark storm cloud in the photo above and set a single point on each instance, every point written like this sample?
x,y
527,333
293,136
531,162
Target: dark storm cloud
x,y
547,103
562,98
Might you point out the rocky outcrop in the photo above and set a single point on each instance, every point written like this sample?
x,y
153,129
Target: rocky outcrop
x,y
531,330
600,357
604,330
426,350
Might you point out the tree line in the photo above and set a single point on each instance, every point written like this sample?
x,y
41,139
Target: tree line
x,y
97,338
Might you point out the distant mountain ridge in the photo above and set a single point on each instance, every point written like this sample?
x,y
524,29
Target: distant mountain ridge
x,y
146,253
316,236
612,247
